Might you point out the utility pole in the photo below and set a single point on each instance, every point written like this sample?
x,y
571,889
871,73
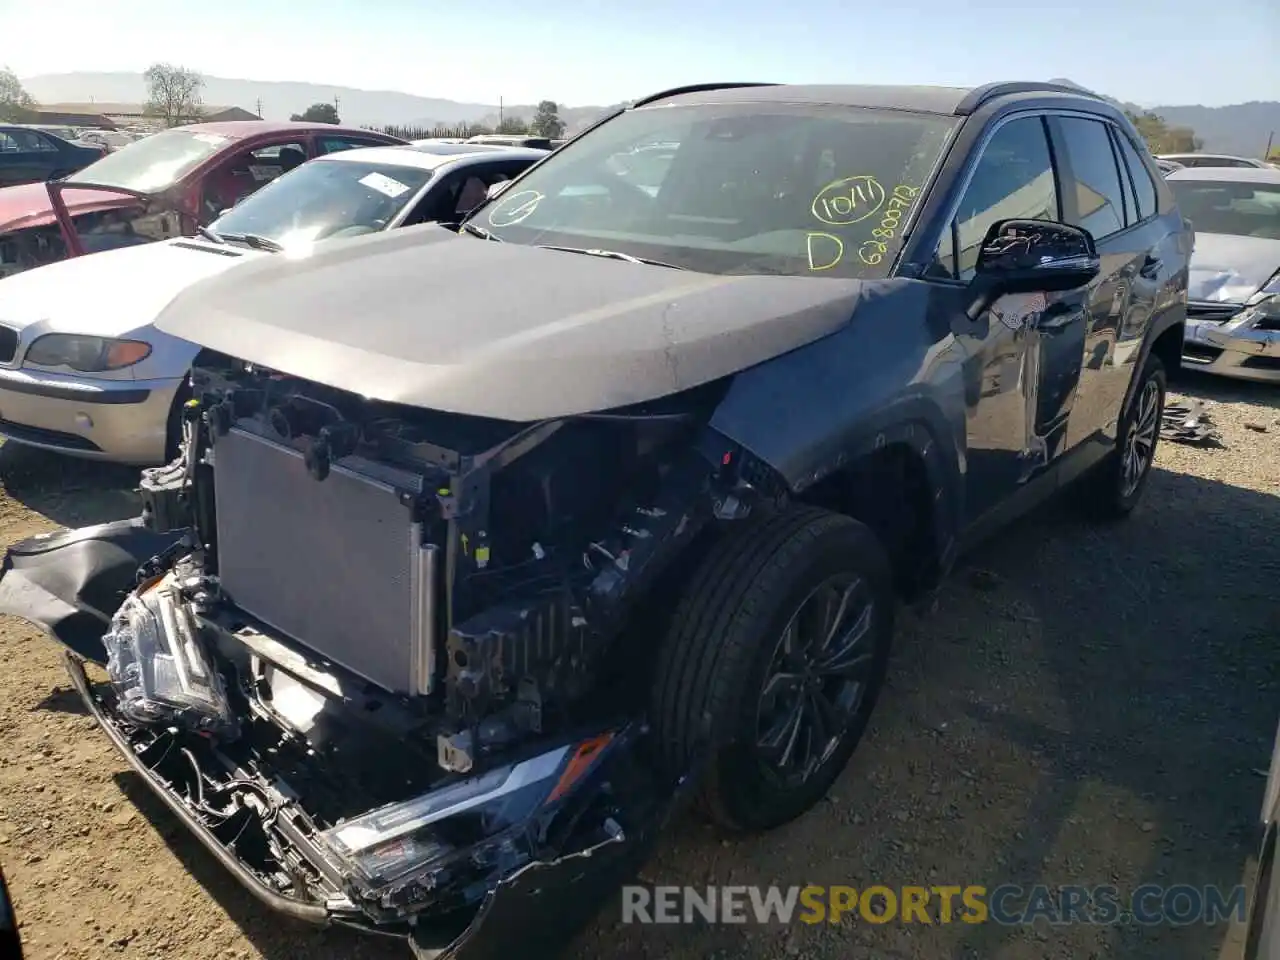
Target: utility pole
x,y
336,104
500,118
1267,153
259,108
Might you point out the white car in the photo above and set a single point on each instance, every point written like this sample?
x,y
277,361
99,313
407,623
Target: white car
x,y
1215,160
82,369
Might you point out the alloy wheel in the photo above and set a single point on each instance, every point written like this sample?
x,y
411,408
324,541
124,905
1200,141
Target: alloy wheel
x,y
1140,442
817,678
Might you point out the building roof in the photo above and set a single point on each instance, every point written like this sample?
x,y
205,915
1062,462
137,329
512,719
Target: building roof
x,y
119,109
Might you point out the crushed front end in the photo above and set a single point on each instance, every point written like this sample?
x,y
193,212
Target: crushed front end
x,y
390,663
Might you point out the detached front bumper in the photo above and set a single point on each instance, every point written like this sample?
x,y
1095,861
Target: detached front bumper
x,y
1231,349
543,903
115,420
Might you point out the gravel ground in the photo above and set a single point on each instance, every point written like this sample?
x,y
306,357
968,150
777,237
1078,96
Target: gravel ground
x,y
1084,705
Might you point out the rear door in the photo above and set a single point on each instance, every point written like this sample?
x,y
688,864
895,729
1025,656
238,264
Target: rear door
x,y
1092,356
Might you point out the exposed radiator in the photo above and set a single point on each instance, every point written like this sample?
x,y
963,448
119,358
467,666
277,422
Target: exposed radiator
x,y
337,565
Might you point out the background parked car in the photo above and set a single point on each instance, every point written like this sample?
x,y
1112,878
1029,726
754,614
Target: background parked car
x,y
501,140
28,155
1215,160
1167,167
110,140
105,384
1233,309
161,186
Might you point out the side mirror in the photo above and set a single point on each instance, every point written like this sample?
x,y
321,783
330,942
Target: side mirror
x,y
496,188
1029,256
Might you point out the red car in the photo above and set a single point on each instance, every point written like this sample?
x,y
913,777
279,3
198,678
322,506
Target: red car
x,y
164,185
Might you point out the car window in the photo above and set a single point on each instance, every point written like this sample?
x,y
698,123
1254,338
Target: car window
x,y
324,199
1237,209
459,192
734,188
40,143
1013,178
1099,198
244,174
334,144
155,162
1144,187
646,166
8,144
28,141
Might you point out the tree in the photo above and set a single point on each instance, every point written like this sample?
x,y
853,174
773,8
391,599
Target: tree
x,y
15,103
318,113
1162,138
547,122
513,127
174,94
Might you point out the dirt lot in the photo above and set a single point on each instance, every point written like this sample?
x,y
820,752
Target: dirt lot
x,y
1084,705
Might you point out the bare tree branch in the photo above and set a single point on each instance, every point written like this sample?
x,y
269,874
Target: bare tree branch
x,y
174,94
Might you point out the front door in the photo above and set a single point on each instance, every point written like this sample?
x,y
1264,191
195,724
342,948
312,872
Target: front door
x,y
1013,350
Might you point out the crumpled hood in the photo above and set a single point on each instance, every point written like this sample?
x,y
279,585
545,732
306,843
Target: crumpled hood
x,y
112,293
1229,269
428,318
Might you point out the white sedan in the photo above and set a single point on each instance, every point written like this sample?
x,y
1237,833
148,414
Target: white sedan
x,y
82,369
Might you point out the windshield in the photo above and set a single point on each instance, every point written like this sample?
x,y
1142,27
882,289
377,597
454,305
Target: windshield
x,y
155,163
801,190
324,199
1235,208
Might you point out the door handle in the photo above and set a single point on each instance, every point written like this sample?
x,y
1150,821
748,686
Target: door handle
x,y
1151,268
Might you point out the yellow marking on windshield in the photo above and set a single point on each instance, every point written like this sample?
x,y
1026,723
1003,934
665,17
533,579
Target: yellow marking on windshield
x,y
849,200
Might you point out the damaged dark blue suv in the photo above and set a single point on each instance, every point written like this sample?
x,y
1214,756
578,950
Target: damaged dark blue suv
x,y
490,543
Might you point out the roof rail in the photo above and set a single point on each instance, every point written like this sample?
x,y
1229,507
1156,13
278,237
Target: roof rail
x,y
695,88
989,91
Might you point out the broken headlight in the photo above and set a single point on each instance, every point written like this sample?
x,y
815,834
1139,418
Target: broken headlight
x,y
1262,311
159,667
399,852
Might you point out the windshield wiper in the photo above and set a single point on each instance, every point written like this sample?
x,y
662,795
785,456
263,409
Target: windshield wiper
x,y
480,232
209,235
612,255
255,240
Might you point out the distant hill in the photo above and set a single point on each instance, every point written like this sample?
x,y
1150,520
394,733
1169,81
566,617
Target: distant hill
x,y
1240,128
280,99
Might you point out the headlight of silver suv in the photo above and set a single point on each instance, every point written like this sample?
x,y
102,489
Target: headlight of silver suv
x,y
85,354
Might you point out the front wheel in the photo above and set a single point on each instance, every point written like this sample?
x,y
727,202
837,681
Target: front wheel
x,y
773,664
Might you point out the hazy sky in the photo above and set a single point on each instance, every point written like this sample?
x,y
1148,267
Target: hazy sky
x,y
577,52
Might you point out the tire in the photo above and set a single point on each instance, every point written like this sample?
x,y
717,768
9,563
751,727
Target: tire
x,y
710,708
1110,493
